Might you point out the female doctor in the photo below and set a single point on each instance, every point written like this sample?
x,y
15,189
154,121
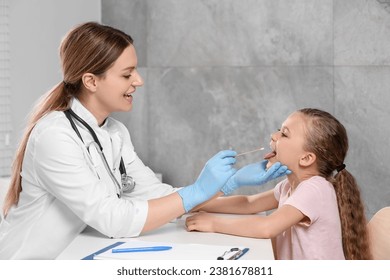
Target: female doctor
x,y
76,166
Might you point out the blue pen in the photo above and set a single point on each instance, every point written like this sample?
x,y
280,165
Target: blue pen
x,y
243,252
142,249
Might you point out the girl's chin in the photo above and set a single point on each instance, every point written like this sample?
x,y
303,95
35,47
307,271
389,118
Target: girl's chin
x,y
270,162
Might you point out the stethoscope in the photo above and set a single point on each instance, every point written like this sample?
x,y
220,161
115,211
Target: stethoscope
x,y
127,182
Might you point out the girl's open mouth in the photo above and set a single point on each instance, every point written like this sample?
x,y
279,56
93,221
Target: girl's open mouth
x,y
270,155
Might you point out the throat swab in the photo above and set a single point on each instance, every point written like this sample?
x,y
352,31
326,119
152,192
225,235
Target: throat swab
x,y
244,153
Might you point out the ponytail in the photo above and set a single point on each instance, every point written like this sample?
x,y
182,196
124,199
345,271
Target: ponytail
x,y
352,217
55,100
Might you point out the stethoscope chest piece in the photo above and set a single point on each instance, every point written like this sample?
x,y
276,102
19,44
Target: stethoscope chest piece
x,y
128,183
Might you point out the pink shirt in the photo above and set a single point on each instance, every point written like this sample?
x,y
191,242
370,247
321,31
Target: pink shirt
x,y
320,236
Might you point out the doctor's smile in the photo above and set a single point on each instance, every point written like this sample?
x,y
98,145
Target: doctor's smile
x,y
129,97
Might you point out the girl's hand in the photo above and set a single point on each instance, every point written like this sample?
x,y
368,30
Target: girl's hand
x,y
201,222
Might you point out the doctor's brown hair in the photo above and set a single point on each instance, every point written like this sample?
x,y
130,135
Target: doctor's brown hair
x,y
327,138
88,48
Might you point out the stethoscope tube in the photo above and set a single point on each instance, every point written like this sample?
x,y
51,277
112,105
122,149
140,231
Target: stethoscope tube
x,y
107,167
127,182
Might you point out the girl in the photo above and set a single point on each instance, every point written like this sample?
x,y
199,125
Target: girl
x,y
319,213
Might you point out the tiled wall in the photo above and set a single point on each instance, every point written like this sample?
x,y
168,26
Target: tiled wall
x,y
222,74
5,90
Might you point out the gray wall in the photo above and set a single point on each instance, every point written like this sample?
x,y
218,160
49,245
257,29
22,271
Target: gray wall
x,y
222,74
36,28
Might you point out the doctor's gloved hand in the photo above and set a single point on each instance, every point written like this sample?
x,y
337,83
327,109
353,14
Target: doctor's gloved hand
x,y
254,174
213,177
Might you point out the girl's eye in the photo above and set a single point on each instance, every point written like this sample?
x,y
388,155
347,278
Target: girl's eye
x,y
127,76
281,133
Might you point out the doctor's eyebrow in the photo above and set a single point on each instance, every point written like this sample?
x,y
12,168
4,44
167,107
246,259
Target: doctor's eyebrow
x,y
131,68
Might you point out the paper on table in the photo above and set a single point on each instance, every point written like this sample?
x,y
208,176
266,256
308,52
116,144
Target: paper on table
x,y
178,252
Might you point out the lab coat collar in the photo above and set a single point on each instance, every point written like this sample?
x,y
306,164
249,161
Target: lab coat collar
x,y
87,116
108,126
83,113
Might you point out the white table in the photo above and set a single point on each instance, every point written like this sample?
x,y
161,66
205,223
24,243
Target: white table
x,y
90,241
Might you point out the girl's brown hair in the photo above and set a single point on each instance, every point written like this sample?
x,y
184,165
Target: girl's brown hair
x,y
327,139
88,48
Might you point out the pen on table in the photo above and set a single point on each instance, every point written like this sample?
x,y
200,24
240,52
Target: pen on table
x,y
141,249
233,254
243,252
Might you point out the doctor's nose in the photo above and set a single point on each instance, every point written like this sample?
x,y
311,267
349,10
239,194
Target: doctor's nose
x,y
137,79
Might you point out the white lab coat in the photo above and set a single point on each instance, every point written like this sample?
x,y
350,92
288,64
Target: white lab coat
x,y
66,188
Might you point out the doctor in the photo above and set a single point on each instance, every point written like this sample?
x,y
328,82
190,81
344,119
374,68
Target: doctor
x,y
76,166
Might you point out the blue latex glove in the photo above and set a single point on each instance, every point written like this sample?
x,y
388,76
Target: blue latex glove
x,y
254,174
213,177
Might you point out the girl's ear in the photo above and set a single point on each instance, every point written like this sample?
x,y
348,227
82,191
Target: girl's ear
x,y
89,81
307,159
